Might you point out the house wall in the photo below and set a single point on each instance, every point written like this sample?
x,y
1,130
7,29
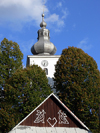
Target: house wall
x,y
27,129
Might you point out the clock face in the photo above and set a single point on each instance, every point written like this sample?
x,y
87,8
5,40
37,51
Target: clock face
x,y
44,63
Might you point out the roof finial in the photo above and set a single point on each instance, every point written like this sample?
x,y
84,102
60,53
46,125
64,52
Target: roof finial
x,y
43,6
43,23
43,10
43,46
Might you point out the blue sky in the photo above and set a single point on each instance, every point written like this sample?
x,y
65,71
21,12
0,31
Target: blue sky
x,y
71,23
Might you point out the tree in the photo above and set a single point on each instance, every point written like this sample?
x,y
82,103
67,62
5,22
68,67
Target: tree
x,y
25,90
10,60
6,119
77,81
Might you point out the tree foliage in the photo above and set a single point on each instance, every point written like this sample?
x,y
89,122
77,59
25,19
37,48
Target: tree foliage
x,y
25,90
10,60
6,119
77,81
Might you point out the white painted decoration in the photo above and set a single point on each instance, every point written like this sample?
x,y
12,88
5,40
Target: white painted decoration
x,y
41,116
62,118
54,121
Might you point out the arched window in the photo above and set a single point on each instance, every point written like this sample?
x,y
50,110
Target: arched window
x,y
46,71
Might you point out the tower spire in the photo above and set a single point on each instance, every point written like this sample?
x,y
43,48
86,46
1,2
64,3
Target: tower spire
x,y
43,23
43,46
43,6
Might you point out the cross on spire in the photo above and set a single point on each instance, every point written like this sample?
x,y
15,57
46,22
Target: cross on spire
x,y
43,6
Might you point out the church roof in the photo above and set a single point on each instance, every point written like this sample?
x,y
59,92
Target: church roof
x,y
51,116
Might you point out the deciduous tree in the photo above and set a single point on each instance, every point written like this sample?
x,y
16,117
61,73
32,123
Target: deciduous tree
x,y
25,90
77,81
10,60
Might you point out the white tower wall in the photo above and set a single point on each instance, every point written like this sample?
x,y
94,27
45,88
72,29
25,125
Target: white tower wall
x,y
47,63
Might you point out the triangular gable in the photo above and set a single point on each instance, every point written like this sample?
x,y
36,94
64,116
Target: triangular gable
x,y
52,113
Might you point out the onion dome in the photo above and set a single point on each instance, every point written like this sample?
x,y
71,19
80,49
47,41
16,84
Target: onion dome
x,y
43,46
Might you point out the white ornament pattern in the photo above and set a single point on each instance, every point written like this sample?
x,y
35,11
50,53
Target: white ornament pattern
x,y
54,121
62,118
41,116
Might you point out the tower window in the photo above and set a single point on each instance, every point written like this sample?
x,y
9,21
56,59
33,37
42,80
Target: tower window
x,y
46,71
46,33
39,33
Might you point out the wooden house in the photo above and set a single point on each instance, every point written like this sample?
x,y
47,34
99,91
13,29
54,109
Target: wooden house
x,y
51,116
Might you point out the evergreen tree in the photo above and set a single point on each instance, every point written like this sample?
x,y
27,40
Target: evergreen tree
x,y
24,91
77,82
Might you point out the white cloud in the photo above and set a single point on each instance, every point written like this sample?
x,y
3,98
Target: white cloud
x,y
59,4
54,18
16,13
65,13
58,20
57,30
21,10
84,44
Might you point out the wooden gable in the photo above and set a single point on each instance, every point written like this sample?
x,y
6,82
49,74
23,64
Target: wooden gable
x,y
52,113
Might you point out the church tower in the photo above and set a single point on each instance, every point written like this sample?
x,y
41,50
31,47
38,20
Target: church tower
x,y
43,52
